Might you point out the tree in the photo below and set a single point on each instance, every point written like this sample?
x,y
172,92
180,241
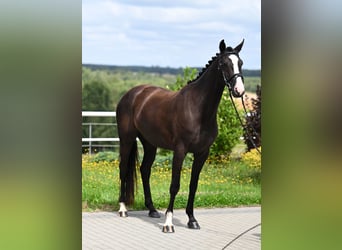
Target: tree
x,y
96,97
188,75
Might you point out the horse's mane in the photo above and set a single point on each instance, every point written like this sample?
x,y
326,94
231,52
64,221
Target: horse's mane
x,y
228,49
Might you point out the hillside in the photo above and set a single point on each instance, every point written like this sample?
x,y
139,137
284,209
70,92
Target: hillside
x,y
104,85
157,69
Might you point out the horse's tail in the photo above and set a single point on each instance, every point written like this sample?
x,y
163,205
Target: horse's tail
x,y
131,177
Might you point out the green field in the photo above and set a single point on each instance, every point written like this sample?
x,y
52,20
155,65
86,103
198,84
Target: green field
x,y
222,183
251,83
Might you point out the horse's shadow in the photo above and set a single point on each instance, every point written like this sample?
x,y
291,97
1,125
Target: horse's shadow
x,y
157,222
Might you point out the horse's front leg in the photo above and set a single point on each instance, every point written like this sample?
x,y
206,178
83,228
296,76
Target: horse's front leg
x,y
178,158
122,209
197,165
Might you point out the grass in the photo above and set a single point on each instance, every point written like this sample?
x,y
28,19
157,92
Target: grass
x,y
227,183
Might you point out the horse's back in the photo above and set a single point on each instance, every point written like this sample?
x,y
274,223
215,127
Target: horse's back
x,y
147,110
143,98
144,95
142,91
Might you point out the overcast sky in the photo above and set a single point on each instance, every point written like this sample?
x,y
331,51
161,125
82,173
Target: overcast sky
x,y
169,33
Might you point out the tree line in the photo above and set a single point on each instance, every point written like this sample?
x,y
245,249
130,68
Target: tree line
x,y
157,69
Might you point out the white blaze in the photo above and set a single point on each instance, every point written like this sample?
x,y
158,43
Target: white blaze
x,y
239,87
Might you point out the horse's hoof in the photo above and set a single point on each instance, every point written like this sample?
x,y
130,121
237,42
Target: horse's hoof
x,y
123,214
154,214
168,229
193,225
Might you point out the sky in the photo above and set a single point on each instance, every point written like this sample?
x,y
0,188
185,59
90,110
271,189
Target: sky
x,y
169,33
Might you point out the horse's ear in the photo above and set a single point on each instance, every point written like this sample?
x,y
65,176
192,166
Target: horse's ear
x,y
238,48
222,46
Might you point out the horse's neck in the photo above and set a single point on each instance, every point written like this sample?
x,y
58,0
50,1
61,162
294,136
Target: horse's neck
x,y
209,88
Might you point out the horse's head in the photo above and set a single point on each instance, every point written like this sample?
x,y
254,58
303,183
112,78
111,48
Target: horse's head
x,y
230,66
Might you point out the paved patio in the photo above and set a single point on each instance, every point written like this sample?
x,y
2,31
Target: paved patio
x,y
221,228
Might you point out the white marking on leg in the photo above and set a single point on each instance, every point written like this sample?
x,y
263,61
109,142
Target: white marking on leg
x,y
168,226
168,221
122,210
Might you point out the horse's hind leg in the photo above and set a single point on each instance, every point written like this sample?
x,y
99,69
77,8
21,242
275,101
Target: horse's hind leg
x,y
125,154
145,170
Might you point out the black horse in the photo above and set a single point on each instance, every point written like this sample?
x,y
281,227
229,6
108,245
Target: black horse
x,y
182,121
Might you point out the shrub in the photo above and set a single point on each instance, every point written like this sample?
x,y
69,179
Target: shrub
x,y
188,75
229,128
252,130
105,156
252,158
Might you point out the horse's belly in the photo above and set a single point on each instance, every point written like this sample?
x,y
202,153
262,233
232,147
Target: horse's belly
x,y
156,134
200,146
